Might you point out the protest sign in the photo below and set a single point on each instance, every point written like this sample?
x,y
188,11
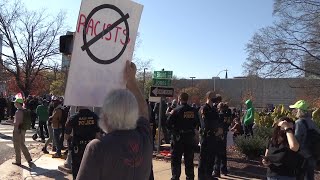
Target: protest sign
x,y
104,40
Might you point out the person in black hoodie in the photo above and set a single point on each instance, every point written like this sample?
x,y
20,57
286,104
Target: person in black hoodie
x,y
3,105
281,155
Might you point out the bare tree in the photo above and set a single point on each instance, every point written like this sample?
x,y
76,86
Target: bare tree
x,y
30,40
291,46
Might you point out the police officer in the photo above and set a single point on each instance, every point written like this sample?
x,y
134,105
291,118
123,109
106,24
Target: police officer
x,y
221,158
211,129
84,126
182,123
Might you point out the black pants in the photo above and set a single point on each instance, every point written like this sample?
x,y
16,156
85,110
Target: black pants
x,y
1,114
151,174
208,153
77,154
166,133
221,157
61,140
185,147
43,125
33,119
248,131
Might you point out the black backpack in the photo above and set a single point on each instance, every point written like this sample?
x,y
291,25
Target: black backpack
x,y
64,116
26,123
313,141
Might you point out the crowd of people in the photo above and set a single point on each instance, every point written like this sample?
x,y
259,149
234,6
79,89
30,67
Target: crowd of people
x,y
119,143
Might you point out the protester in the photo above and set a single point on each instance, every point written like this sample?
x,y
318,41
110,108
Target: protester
x,y
210,130
84,127
50,139
125,152
32,104
302,125
163,120
237,128
13,109
281,155
171,107
248,118
22,122
57,127
43,116
3,106
182,123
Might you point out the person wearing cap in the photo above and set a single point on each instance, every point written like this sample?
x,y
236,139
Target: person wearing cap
x,y
19,135
304,116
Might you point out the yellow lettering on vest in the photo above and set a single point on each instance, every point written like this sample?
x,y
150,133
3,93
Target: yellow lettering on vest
x,y
188,115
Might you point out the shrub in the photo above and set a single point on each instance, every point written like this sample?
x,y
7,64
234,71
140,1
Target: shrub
x,y
263,132
252,147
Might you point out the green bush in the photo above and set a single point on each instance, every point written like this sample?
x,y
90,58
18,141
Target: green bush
x,y
252,147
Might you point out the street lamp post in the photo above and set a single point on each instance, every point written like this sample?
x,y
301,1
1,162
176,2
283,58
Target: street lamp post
x,y
144,79
214,79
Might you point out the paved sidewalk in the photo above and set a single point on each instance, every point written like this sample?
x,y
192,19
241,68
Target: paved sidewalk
x,y
44,168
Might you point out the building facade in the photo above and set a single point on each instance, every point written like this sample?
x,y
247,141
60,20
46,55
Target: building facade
x,y
263,91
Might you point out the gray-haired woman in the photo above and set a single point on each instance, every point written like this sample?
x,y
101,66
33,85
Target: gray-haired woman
x,y
125,152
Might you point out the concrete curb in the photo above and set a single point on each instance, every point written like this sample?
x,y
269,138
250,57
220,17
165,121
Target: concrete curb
x,y
259,176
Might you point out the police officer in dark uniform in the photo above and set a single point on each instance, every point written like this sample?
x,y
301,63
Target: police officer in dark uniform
x,y
211,129
84,126
221,158
182,122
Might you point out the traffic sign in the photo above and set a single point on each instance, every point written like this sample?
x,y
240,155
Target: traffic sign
x,y
161,82
161,91
162,74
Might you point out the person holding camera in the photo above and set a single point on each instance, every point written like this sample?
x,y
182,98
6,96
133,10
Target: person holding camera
x,y
281,156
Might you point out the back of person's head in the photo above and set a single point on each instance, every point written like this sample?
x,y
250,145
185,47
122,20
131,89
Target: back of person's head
x,y
218,98
210,95
120,111
280,133
184,97
303,114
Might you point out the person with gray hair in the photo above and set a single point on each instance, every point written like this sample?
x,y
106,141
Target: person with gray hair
x,y
125,151
302,126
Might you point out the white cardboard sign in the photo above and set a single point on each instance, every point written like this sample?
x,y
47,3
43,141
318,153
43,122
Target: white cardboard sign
x,y
104,40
